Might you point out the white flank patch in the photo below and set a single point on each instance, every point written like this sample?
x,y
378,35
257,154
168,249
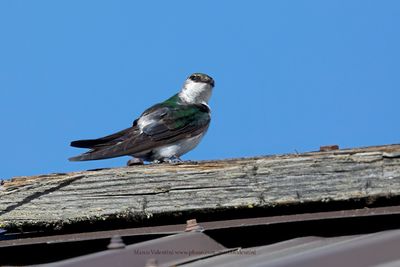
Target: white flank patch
x,y
167,151
179,148
143,122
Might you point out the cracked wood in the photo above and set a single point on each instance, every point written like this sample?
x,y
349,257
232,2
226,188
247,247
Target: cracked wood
x,y
143,191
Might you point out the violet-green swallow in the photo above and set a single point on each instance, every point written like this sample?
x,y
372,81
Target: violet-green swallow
x,y
163,132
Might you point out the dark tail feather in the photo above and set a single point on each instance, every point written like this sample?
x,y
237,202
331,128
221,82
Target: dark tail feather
x,y
78,158
103,153
87,143
92,143
86,156
103,148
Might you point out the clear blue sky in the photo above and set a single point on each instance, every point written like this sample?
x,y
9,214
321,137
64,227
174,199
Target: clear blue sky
x,y
290,75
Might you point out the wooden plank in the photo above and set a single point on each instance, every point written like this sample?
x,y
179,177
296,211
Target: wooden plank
x,y
144,191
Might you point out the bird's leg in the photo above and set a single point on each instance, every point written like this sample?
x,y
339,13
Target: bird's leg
x,y
134,161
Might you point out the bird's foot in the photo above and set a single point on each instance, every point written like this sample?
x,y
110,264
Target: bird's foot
x,y
190,162
134,161
171,160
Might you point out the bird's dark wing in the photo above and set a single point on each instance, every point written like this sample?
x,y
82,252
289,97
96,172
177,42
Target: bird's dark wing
x,y
168,125
179,123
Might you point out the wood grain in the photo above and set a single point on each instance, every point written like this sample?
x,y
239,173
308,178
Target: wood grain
x,y
144,191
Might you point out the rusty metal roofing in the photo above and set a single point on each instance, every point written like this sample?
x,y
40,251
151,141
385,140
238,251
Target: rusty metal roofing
x,y
360,250
168,250
366,237
13,239
195,249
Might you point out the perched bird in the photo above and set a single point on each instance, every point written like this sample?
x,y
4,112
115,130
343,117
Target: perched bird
x,y
163,132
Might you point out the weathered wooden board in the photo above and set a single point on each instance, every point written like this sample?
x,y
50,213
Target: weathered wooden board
x,y
143,191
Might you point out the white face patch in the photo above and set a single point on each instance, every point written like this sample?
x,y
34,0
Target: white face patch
x,y
195,92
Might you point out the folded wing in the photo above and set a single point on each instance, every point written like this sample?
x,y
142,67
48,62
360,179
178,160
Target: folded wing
x,y
168,125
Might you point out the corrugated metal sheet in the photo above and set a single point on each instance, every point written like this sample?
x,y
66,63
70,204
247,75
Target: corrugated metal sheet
x,y
7,240
362,250
168,250
336,238
197,250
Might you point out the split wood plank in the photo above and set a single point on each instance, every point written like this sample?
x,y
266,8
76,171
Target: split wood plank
x,y
147,190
